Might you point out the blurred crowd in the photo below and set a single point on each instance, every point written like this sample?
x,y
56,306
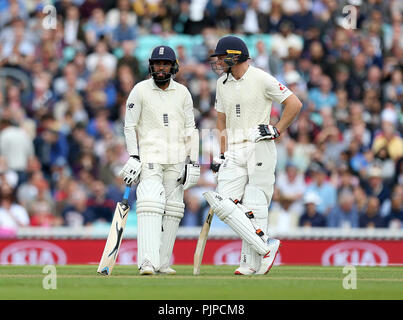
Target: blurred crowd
x,y
66,72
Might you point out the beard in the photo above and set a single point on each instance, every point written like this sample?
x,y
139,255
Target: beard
x,y
160,77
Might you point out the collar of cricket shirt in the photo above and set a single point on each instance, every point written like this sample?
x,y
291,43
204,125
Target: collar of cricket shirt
x,y
172,86
244,76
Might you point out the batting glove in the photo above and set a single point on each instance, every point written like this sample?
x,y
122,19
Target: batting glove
x,y
217,162
189,175
131,170
262,132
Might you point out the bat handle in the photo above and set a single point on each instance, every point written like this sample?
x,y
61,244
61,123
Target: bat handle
x,y
126,195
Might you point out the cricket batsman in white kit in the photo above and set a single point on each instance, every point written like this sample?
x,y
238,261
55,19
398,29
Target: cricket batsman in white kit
x,y
246,166
163,145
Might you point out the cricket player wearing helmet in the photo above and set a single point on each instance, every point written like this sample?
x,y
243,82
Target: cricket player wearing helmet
x,y
246,166
159,113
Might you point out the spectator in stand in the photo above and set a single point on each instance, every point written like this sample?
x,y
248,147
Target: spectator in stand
x,y
311,217
345,214
394,216
96,28
204,99
389,138
393,89
113,15
262,58
42,216
371,217
360,158
76,213
358,76
323,97
296,84
102,56
284,213
73,26
291,183
87,7
253,19
374,185
50,144
383,160
110,163
43,98
193,211
276,17
69,82
101,207
128,59
10,176
357,131
287,44
124,31
346,181
303,19
360,198
323,188
12,215
16,147
17,46
330,136
29,191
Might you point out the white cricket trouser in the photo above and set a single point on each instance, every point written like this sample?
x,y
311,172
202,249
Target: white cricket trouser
x,y
248,163
157,246
251,164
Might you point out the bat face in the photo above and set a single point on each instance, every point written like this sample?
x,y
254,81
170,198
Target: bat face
x,y
114,239
122,210
201,243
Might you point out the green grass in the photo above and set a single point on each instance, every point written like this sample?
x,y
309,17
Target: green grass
x,y
214,283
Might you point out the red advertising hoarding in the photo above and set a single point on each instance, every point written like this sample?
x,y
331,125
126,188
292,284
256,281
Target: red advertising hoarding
x,y
217,252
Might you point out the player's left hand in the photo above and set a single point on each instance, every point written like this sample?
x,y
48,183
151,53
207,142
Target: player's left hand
x,y
262,132
189,175
130,172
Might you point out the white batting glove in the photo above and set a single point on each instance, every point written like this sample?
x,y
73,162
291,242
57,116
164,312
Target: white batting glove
x,y
131,171
262,132
189,175
217,162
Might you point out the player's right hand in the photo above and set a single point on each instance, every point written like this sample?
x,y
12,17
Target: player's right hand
x,y
217,162
263,132
131,171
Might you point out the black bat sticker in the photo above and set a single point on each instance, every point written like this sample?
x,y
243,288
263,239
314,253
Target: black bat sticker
x,y
119,232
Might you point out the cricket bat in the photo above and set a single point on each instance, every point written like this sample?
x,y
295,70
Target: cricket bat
x,y
114,240
201,243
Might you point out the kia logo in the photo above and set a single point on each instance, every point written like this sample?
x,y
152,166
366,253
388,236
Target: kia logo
x,y
231,254
355,253
128,253
32,253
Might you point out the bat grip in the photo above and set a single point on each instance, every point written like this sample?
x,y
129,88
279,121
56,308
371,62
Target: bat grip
x,y
126,195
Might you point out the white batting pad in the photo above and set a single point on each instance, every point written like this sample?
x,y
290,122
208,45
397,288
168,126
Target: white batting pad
x,y
229,213
170,223
149,238
150,196
255,200
150,208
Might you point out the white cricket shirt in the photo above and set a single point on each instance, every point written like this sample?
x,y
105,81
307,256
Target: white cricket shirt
x,y
163,119
247,102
